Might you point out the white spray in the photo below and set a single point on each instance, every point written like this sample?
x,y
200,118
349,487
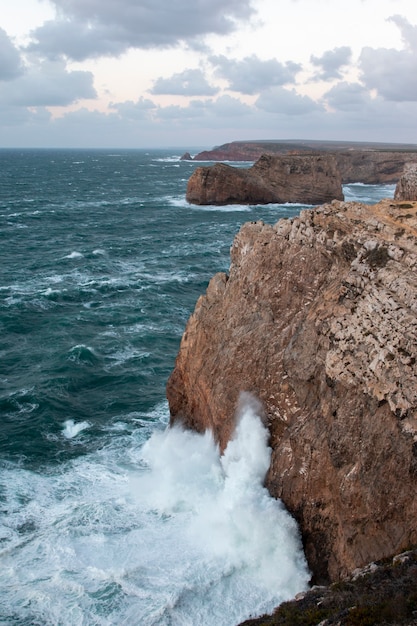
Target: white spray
x,y
162,533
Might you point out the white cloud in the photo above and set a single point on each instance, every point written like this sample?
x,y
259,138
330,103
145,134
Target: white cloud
x,y
348,97
190,82
140,110
272,60
221,108
286,101
252,75
10,61
331,62
393,73
48,84
92,28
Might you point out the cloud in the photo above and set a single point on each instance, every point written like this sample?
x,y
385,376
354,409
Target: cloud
x,y
143,124
75,40
348,97
22,118
140,110
224,107
228,107
190,82
287,102
408,31
252,75
10,61
92,28
48,84
331,62
393,73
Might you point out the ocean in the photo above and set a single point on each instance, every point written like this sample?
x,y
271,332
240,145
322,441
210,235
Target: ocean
x,y
108,517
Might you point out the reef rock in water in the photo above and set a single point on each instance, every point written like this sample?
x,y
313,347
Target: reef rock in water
x,y
284,178
318,318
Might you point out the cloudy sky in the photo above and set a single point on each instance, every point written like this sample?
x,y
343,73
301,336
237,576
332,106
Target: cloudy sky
x,y
197,73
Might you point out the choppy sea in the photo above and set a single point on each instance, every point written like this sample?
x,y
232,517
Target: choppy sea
x,y
106,516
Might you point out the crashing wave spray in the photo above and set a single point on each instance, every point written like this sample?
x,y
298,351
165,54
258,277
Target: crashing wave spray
x,y
243,536
162,533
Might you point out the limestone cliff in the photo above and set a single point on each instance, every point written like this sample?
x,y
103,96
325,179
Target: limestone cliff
x,y
406,188
318,318
306,179
370,163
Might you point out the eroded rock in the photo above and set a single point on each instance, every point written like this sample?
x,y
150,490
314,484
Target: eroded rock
x,y
306,179
318,319
406,188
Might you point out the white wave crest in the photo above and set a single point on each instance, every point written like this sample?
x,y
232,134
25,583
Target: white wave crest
x,y
72,429
74,255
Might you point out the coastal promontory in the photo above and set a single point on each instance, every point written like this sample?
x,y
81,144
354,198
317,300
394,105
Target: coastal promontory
x,y
317,318
368,163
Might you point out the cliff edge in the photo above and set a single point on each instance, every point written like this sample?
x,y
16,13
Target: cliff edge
x,y
318,319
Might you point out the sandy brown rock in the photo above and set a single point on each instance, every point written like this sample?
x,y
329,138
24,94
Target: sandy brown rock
x,y
306,179
406,188
224,184
318,319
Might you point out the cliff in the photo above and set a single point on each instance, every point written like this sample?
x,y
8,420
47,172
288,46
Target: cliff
x,y
370,163
406,188
382,593
306,179
318,319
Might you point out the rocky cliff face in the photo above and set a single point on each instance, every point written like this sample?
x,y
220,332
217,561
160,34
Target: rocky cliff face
x,y
406,188
306,179
318,319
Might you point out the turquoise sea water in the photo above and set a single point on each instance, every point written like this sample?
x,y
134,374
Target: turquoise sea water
x,y
106,518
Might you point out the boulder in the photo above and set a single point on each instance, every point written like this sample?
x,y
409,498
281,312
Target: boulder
x,y
317,318
304,179
406,188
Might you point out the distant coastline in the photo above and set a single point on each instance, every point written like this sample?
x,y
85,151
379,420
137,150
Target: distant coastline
x,y
250,150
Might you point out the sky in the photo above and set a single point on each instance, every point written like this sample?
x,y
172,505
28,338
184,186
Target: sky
x,y
199,73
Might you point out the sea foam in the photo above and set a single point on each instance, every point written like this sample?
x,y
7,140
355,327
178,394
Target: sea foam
x,y
169,533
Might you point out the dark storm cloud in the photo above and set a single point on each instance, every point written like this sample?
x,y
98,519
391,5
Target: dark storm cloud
x,y
393,73
191,82
49,84
331,62
252,75
92,28
10,61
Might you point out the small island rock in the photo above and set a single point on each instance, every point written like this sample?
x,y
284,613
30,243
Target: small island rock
x,y
284,178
